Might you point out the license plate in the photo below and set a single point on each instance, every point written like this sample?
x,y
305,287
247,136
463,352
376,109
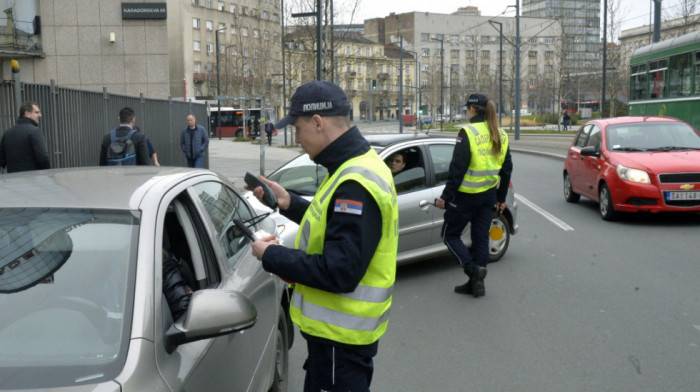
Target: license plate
x,y
691,195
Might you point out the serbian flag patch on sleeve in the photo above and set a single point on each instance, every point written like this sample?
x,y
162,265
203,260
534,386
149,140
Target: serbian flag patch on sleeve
x,y
459,139
348,206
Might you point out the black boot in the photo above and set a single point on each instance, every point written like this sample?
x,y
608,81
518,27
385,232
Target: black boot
x,y
464,289
476,274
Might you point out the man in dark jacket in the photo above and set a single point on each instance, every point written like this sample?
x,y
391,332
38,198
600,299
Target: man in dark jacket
x,y
22,147
194,142
127,119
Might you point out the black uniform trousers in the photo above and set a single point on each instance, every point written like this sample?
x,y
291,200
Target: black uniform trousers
x,y
476,209
332,368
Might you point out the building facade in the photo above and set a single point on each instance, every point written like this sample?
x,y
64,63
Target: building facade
x,y
460,54
87,45
249,51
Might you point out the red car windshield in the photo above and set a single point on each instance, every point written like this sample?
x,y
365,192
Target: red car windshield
x,y
652,136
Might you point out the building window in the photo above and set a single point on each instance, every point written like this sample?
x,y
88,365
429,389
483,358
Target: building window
x,y
471,54
266,15
454,53
256,33
197,67
222,26
549,54
197,46
469,39
232,8
233,29
244,31
548,40
359,51
244,10
486,54
533,40
210,25
207,3
424,67
455,39
485,39
439,37
245,52
425,52
425,37
454,68
423,83
222,49
532,54
532,68
195,2
548,69
195,23
347,50
221,6
253,12
438,52
233,51
210,47
266,35
275,18
256,52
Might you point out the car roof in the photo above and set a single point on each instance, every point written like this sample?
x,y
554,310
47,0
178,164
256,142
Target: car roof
x,y
115,187
632,119
387,140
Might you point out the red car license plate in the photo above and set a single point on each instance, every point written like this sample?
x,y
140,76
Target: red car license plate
x,y
690,195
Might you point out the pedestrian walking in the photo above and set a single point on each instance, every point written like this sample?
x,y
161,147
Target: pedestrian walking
x,y
22,147
151,150
124,146
565,120
269,129
473,188
194,142
344,261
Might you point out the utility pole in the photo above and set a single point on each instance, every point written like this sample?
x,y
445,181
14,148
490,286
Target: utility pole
x,y
218,83
605,57
442,78
400,114
319,36
517,69
500,72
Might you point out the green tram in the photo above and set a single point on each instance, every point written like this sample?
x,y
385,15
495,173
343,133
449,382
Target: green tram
x,y
665,79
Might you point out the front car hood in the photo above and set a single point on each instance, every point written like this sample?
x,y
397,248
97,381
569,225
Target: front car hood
x,y
660,162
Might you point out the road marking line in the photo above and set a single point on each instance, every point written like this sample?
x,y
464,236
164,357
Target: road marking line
x,y
544,213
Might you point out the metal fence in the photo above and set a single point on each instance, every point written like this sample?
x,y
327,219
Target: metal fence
x,y
75,121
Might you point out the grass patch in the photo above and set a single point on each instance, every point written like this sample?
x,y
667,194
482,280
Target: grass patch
x,y
241,139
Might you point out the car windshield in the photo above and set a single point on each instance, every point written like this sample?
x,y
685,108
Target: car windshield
x,y
300,175
652,136
66,293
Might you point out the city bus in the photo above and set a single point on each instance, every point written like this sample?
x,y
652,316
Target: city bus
x,y
232,121
665,79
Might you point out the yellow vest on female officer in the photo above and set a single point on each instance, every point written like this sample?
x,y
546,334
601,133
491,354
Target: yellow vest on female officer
x,y
482,173
359,317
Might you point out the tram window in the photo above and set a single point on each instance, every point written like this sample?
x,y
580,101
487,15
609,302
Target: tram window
x,y
638,81
657,76
679,75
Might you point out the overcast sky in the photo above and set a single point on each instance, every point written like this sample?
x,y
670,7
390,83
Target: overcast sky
x,y
636,12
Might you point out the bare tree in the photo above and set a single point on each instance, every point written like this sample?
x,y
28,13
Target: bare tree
x,y
686,11
618,72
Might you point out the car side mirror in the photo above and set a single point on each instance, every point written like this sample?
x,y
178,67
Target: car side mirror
x,y
211,313
590,151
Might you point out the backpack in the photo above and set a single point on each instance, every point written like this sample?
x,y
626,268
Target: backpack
x,y
121,150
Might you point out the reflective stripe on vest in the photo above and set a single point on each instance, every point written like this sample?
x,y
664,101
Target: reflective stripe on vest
x,y
361,316
482,173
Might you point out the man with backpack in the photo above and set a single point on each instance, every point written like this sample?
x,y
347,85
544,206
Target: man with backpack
x,y
124,146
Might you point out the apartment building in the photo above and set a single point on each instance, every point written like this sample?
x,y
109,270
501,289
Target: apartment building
x,y
248,52
459,54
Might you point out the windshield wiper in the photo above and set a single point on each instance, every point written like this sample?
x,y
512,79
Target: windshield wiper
x,y
633,149
671,148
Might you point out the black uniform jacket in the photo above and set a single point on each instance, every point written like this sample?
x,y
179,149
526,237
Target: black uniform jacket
x,y
139,140
461,157
23,148
350,240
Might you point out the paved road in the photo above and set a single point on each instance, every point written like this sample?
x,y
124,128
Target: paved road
x,y
233,159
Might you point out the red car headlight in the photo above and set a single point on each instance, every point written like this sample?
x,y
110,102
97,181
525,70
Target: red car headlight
x,y
633,175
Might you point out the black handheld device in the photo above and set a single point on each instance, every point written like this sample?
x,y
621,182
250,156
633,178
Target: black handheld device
x,y
269,198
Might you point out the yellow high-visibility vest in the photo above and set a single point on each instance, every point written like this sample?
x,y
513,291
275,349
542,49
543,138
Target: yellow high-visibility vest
x,y
482,173
359,317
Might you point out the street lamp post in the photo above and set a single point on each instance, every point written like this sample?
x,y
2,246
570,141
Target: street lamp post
x,y
218,83
500,72
442,78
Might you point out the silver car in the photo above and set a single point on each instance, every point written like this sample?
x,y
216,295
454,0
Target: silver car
x,y
82,284
417,186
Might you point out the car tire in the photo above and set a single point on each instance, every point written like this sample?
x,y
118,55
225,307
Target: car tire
x,y
605,203
569,194
280,372
239,133
498,248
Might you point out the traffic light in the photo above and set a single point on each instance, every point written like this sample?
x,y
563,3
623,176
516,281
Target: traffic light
x,y
374,84
420,111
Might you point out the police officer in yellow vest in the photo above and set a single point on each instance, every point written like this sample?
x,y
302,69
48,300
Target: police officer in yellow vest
x,y
344,261
481,156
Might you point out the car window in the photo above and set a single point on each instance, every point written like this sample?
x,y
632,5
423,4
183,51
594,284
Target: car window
x,y
412,177
301,176
224,206
582,136
441,155
594,137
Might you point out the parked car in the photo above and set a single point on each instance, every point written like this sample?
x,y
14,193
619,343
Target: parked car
x,y
417,186
427,119
81,284
635,164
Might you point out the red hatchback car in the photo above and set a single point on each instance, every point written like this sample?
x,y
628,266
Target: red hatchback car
x,y
633,164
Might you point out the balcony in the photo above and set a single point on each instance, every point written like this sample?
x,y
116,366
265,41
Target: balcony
x,y
351,74
199,77
383,75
